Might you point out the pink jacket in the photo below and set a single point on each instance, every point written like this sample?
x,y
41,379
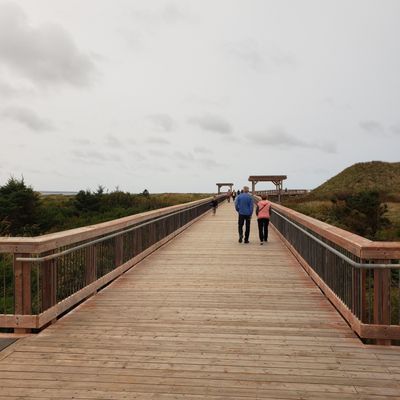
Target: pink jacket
x,y
263,209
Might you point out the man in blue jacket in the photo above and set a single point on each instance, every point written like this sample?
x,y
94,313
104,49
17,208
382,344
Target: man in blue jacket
x,y
244,206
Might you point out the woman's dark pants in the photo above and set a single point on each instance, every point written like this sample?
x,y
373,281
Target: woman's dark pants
x,y
263,229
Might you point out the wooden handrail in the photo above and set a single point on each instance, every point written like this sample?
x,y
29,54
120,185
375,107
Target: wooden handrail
x,y
355,244
40,244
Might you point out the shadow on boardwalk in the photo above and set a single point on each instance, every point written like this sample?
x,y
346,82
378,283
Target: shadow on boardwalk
x,y
204,317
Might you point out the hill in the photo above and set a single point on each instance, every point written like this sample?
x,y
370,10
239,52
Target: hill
x,y
380,176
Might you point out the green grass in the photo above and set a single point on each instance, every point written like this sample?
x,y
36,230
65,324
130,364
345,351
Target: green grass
x,y
383,177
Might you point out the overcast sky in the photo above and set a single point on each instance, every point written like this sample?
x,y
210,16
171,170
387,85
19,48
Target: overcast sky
x,y
179,95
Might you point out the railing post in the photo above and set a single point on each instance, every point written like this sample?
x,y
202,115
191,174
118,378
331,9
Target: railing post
x,y
22,289
48,274
91,264
363,312
119,250
382,300
359,291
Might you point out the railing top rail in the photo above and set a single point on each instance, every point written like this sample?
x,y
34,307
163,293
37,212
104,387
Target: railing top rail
x,y
40,244
355,244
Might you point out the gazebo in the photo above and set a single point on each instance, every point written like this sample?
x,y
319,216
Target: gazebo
x,y
220,185
275,179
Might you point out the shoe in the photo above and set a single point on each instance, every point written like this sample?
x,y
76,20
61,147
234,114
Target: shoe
x,y
246,241
240,240
261,242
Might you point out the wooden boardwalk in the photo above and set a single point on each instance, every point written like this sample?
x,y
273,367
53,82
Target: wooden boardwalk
x,y
204,317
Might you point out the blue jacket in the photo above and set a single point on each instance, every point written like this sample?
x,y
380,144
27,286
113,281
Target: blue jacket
x,y
244,204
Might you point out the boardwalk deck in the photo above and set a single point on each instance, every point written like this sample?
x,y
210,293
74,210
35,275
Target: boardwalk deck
x,y
204,317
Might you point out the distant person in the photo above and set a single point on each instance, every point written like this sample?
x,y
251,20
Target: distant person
x,y
263,212
234,195
228,195
244,207
214,204
238,192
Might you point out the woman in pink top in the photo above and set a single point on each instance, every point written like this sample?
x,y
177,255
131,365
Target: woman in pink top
x,y
263,215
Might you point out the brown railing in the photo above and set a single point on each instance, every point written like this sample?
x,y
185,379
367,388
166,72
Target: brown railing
x,y
360,277
286,192
43,277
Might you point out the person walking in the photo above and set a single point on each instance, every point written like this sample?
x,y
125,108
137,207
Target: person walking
x,y
263,211
244,207
214,204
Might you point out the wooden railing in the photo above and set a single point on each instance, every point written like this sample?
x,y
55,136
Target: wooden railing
x,y
288,192
360,277
43,277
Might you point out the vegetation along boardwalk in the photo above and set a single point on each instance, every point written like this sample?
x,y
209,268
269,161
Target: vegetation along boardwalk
x,y
204,317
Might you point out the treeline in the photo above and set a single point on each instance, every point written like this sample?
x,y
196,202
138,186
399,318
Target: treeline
x,y
24,212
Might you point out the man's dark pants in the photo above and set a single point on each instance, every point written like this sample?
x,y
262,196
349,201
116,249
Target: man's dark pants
x,y
242,219
263,229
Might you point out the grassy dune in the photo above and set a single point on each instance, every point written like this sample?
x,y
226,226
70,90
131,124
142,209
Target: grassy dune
x,y
382,177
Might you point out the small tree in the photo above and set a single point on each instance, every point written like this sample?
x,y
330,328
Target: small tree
x,y
19,207
362,213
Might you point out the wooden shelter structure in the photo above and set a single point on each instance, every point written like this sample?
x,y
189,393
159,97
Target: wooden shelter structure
x,y
220,185
275,179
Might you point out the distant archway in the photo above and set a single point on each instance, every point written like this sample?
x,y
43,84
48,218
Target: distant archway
x,y
220,185
275,179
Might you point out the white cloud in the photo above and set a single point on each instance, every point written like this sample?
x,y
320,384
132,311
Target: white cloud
x,y
45,55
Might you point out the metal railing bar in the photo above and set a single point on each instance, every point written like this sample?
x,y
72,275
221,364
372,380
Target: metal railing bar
x,y
338,253
102,239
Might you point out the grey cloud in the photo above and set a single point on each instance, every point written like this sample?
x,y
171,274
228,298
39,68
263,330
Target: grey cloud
x,y
395,129
137,156
209,163
260,57
278,137
93,156
336,105
28,118
45,54
7,90
82,141
157,153
163,122
373,127
212,123
157,140
113,141
188,157
202,150
168,14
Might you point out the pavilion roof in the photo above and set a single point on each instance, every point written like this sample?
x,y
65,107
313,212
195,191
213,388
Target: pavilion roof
x,y
267,178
